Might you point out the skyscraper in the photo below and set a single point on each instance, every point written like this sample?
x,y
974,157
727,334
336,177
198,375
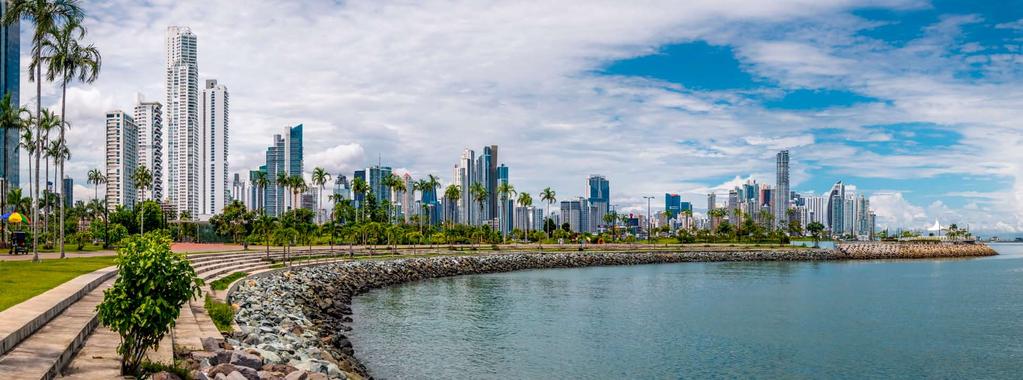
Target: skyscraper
x,y
122,158
239,190
672,204
67,191
182,116
781,193
836,208
465,177
408,198
284,156
10,77
506,209
380,191
488,175
214,118
149,121
600,196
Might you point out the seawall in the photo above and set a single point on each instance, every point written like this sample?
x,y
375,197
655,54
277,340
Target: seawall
x,y
300,317
909,250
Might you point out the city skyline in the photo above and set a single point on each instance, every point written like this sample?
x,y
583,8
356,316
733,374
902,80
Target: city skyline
x,y
691,129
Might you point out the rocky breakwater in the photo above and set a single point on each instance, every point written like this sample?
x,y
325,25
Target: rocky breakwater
x,y
300,317
911,250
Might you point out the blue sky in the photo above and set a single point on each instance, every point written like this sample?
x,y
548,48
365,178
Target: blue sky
x,y
918,103
993,28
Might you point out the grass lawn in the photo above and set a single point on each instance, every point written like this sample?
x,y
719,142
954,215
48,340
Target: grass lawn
x,y
21,280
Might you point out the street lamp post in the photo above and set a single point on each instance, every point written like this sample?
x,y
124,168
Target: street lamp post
x,y
648,216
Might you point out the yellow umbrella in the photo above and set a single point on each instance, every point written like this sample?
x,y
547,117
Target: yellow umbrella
x,y
16,218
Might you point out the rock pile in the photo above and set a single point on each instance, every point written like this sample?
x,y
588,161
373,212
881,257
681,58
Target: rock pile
x,y
247,364
299,318
908,250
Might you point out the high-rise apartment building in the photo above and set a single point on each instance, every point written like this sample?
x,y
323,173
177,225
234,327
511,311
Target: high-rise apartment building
x,y
67,191
149,121
836,209
408,207
487,166
239,191
465,176
377,187
10,79
182,118
672,205
781,193
121,159
284,156
600,196
577,214
214,119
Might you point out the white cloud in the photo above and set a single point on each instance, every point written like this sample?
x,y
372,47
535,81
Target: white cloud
x,y
415,83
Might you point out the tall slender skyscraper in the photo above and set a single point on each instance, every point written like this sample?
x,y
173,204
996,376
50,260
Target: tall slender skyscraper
x,y
465,176
600,196
183,131
149,120
10,70
122,158
284,156
781,192
215,132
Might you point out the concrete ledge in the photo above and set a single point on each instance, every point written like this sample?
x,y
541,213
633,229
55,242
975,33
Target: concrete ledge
x,y
22,320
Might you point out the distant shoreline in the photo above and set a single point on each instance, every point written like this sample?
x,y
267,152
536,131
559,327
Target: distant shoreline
x,y
322,294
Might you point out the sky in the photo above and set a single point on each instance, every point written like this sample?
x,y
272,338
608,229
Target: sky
x,y
917,103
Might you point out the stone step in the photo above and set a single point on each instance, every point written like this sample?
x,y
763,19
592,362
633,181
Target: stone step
x,y
18,322
43,354
225,263
186,333
224,272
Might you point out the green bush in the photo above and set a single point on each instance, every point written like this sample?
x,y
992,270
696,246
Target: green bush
x,y
221,313
146,298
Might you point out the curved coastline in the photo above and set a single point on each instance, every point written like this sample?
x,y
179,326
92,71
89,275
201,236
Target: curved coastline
x,y
300,316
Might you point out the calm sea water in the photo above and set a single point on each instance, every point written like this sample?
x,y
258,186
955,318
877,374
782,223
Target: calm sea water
x,y
878,319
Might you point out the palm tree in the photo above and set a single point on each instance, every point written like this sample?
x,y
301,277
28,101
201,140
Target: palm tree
x,y
60,153
389,182
479,194
67,60
298,186
420,186
611,219
265,225
12,117
96,177
525,201
143,179
47,152
260,181
451,195
432,183
360,187
99,209
320,179
505,190
398,186
548,195
47,15
282,183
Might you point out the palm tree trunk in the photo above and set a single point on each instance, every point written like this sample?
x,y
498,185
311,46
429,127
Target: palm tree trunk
x,y
38,142
63,108
142,214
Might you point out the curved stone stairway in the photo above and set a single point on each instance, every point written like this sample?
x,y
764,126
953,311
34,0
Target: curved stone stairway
x,y
56,333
